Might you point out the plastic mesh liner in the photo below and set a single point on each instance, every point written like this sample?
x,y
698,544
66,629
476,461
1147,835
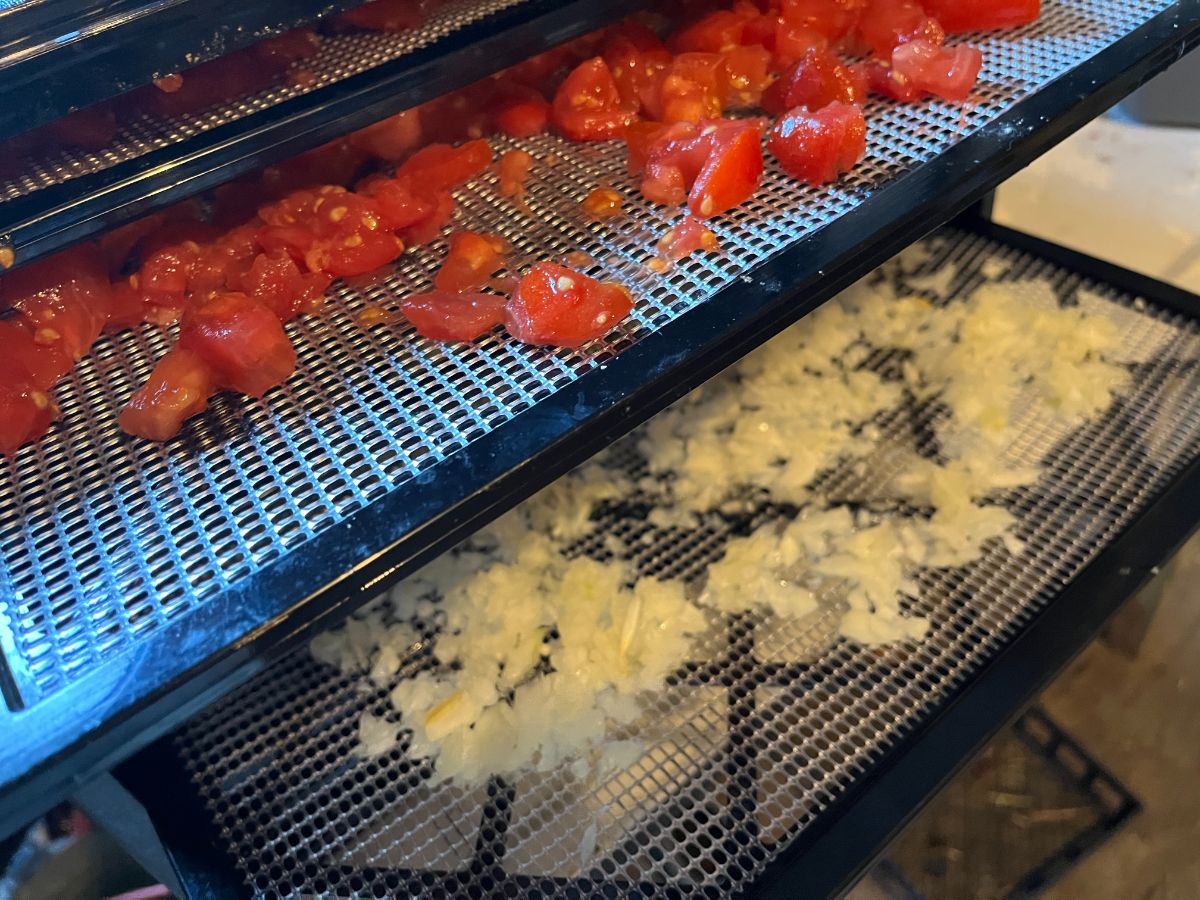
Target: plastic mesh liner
x,y
746,747
340,57
103,538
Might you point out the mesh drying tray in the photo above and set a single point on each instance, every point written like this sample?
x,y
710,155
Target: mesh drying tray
x,y
140,580
747,747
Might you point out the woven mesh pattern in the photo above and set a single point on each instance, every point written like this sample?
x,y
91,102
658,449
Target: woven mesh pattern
x,y
104,538
340,57
750,742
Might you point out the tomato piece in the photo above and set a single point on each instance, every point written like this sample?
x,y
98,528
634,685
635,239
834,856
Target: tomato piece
x,y
391,139
816,147
714,33
760,29
289,47
177,389
638,61
694,88
749,71
439,167
684,239
815,81
514,171
470,262
447,316
886,24
428,228
241,342
554,305
386,15
277,282
40,364
128,308
65,299
640,137
26,410
353,254
946,72
588,106
398,205
881,79
981,15
523,113
832,18
732,171
223,262
792,42
337,162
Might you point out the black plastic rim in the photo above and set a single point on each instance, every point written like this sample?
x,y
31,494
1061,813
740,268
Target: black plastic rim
x,y
104,717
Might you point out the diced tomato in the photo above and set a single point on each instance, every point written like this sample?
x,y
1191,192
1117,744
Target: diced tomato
x,y
686,238
386,15
886,24
428,228
241,342
833,18
588,106
440,167
177,389
337,162
223,262
392,139
792,42
522,113
761,29
128,308
638,61
981,15
446,316
639,138
816,147
715,33
749,75
399,205
718,162
40,364
815,81
277,282
732,172
694,88
65,299
946,72
556,306
353,254
514,171
26,411
881,79
470,262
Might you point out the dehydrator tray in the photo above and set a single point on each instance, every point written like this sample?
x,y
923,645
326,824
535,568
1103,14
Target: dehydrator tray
x,y
780,763
54,199
143,581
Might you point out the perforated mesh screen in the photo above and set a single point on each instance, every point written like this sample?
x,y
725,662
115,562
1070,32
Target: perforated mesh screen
x,y
104,538
751,742
340,57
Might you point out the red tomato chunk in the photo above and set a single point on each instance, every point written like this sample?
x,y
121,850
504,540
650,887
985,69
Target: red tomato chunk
x,y
241,342
554,305
448,316
817,147
177,389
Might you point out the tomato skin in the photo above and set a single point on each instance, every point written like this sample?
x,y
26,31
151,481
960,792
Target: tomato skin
x,y
817,80
241,342
588,106
449,316
555,306
178,388
886,24
816,147
982,15
470,262
439,167
946,72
